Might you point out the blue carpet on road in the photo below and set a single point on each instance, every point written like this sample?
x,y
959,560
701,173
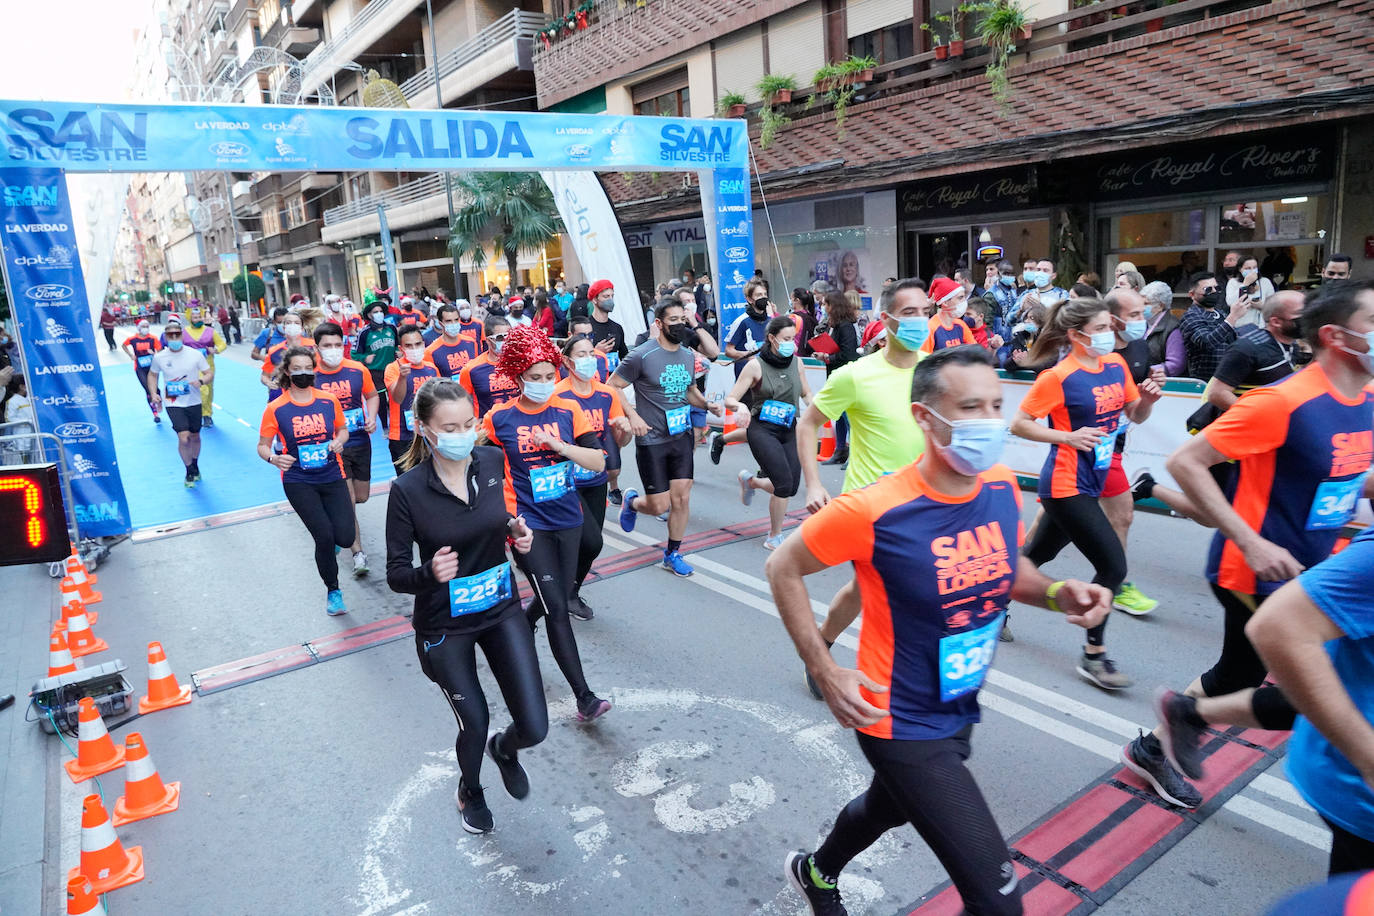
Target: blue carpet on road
x,y
235,478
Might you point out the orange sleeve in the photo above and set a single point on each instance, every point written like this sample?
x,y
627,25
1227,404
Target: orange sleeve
x,y
1256,423
429,350
489,429
268,428
369,387
393,372
968,334
928,346
1046,393
842,530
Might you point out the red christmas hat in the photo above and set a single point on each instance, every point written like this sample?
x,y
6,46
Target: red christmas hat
x,y
598,288
525,346
942,288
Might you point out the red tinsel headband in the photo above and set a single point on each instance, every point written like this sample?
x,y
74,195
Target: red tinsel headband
x,y
524,347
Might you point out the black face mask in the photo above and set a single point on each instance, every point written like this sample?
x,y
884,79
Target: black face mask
x,y
676,333
302,379
1292,329
1210,300
757,309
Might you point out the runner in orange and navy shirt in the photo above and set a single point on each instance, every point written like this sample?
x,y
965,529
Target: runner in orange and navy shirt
x,y
602,407
271,360
935,547
141,347
1085,397
453,349
402,379
410,313
948,328
1303,447
350,382
310,426
543,438
487,386
470,325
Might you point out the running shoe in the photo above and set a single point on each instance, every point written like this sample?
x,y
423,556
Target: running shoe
x,y
1155,769
207,422
1101,670
157,418
195,471
472,805
190,479
746,492
1181,731
812,686
1006,634
615,497
591,708
717,447
627,511
773,543
359,565
335,605
1142,485
822,896
674,563
512,773
581,609
1133,601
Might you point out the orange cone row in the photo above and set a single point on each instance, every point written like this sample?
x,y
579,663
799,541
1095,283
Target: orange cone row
x,y
95,751
104,860
59,656
82,900
163,690
83,579
72,601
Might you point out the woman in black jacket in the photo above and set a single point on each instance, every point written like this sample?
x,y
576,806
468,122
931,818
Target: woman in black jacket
x,y
451,502
840,321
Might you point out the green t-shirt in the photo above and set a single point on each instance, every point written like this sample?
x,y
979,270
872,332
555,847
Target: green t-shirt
x,y
883,436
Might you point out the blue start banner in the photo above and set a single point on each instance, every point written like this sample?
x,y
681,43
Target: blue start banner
x,y
58,340
729,219
134,138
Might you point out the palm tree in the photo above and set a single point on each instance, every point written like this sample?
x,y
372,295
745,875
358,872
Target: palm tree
x,y
515,210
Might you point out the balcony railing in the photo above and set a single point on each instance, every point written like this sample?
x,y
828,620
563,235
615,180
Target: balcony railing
x,y
410,192
517,24
355,25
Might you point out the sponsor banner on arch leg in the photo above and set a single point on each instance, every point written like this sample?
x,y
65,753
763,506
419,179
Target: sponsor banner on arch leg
x,y
729,236
48,295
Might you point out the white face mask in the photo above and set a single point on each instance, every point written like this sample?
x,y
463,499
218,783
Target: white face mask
x,y
331,356
415,355
291,329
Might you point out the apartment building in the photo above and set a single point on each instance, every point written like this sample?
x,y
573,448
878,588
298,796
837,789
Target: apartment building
x,y
1162,133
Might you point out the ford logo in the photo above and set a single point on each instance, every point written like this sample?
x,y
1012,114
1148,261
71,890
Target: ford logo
x,y
737,253
77,430
48,292
229,149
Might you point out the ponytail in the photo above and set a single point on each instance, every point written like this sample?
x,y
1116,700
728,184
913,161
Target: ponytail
x,y
1064,316
430,393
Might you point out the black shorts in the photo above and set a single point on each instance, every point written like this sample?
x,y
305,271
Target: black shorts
x,y
185,419
663,462
357,460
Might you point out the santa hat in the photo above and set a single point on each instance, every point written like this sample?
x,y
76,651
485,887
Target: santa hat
x,y
942,288
524,347
516,300
599,287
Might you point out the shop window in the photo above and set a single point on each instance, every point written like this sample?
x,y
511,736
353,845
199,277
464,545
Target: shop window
x,y
896,42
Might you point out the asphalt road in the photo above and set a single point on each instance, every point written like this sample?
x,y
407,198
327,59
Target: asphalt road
x,y
330,788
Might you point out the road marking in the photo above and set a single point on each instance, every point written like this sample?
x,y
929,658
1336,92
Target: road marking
x,y
1255,811
244,422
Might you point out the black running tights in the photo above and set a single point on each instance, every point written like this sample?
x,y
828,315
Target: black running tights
x,y
593,517
1079,520
550,567
327,513
1240,666
450,661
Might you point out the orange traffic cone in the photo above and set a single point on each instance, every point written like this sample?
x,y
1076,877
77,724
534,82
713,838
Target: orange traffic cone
x,y
144,792
76,571
827,443
59,656
95,752
82,900
80,639
71,602
730,424
104,860
163,690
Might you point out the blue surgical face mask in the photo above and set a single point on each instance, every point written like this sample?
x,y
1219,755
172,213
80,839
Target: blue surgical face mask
x,y
1007,279
174,344
974,445
453,329
787,348
539,392
1101,343
455,446
1041,278
1028,276
585,366
1134,330
912,332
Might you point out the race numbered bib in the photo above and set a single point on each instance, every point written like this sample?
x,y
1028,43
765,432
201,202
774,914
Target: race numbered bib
x,y
965,658
582,475
314,456
145,361
679,418
355,419
410,420
1334,503
1104,449
549,483
178,389
778,413
480,592
612,362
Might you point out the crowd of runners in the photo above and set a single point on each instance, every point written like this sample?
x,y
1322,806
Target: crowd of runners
x,y
507,423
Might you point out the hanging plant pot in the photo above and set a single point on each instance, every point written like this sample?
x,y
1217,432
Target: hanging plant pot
x,y
956,47
737,111
941,52
864,76
780,97
1154,25
1025,33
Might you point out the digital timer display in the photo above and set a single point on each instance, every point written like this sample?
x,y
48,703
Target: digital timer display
x,y
33,523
